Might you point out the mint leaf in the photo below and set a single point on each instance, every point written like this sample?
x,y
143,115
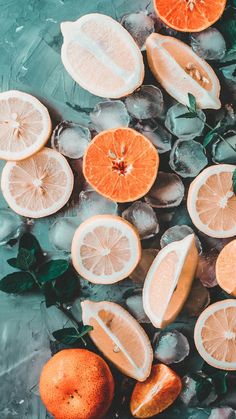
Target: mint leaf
x,y
204,387
29,242
186,115
12,262
70,336
17,282
192,102
25,259
51,270
228,29
234,181
209,137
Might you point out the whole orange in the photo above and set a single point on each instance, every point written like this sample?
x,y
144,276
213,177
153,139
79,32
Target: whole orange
x,y
76,384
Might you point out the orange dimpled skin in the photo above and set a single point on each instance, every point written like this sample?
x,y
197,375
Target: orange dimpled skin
x,y
76,384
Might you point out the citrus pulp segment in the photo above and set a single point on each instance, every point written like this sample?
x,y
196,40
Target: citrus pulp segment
x,y
25,125
226,268
38,186
121,164
169,281
119,337
181,71
101,56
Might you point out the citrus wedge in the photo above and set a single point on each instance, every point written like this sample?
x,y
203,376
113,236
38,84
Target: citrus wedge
x,y
169,281
226,268
119,337
215,335
170,60
212,203
101,56
189,15
38,186
105,249
121,164
25,125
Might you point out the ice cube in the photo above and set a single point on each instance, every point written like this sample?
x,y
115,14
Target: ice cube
x,y
139,274
209,44
62,231
143,217
70,139
146,102
177,233
187,158
140,25
222,152
188,394
198,299
184,128
222,413
167,191
10,225
206,269
171,347
90,204
157,134
134,304
109,114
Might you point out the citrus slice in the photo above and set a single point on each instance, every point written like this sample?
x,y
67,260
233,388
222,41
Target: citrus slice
x,y
169,281
101,56
38,186
121,164
119,337
226,268
170,60
189,15
212,203
25,125
105,249
215,335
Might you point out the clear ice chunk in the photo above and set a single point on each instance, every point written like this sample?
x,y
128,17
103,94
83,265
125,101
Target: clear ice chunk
x,y
139,274
206,269
91,203
171,347
70,139
209,44
188,394
10,225
143,217
222,413
157,134
187,158
198,299
167,191
62,231
140,25
109,114
177,233
222,152
134,305
146,102
184,128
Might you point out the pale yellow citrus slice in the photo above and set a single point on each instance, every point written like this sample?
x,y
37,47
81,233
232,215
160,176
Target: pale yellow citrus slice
x,y
215,335
169,281
105,249
212,203
25,125
101,56
38,186
119,337
181,71
226,268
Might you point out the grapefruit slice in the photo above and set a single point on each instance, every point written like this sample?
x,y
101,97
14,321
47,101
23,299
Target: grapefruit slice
x,y
226,268
38,186
25,125
121,164
212,203
101,56
105,249
189,15
119,337
169,281
170,60
215,335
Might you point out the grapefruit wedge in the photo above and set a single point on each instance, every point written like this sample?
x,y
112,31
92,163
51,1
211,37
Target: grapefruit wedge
x,y
171,60
119,337
226,268
169,281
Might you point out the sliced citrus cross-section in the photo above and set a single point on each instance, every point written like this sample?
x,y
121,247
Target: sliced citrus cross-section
x,y
171,60
105,249
38,186
212,203
226,268
119,337
25,125
215,335
101,56
169,281
121,164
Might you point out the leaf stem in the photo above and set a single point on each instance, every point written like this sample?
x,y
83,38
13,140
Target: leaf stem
x,y
70,316
219,135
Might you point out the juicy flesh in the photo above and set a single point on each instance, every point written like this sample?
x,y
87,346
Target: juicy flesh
x,y
226,268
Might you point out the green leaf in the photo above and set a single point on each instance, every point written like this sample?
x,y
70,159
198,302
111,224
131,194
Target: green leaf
x,y
208,138
234,181
51,270
204,387
219,378
192,102
17,282
67,287
29,242
228,29
25,259
187,115
70,336
12,262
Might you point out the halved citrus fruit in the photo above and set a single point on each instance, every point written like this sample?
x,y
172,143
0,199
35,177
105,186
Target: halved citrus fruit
x,y
119,337
105,249
212,203
102,56
189,15
226,268
38,186
171,60
121,164
25,125
215,335
169,281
